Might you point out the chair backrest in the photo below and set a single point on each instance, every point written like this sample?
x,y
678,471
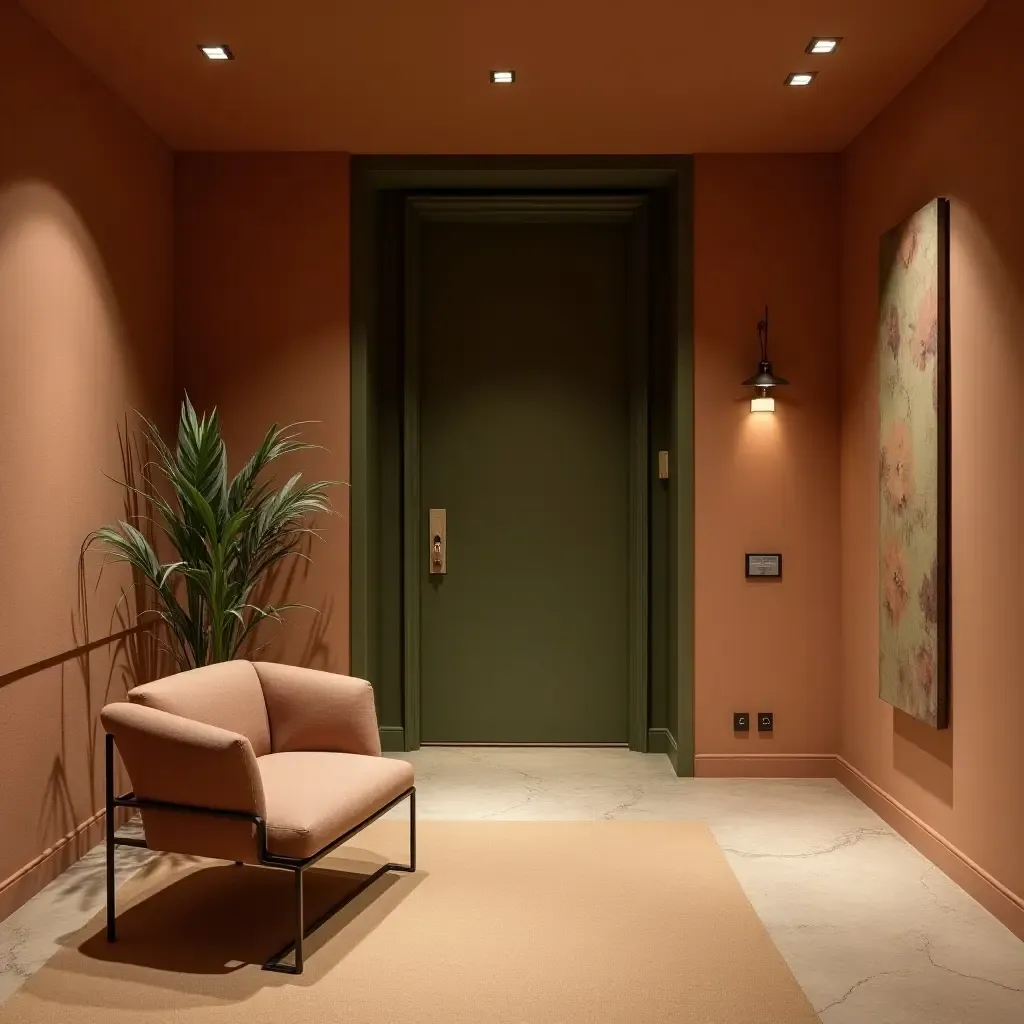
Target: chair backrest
x,y
228,695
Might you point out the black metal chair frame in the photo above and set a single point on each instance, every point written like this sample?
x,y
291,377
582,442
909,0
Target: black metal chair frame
x,y
265,858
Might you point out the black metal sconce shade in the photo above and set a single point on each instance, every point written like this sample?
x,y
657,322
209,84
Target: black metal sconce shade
x,y
764,378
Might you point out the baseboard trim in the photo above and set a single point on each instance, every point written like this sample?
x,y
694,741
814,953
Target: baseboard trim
x,y
392,738
764,766
523,744
661,741
995,897
20,887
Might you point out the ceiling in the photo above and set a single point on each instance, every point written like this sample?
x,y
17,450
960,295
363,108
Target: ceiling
x,y
593,76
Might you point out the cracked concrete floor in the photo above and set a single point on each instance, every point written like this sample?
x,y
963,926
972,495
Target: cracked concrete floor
x,y
872,931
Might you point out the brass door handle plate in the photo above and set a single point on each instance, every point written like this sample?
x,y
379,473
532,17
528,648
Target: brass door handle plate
x,y
438,540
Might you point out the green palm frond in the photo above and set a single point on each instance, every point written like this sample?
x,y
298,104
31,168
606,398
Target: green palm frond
x,y
226,535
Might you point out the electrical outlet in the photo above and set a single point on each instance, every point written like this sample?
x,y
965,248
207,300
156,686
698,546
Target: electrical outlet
x,y
740,721
765,721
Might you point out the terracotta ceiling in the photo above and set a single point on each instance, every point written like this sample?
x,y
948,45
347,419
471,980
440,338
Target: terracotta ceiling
x,y
592,76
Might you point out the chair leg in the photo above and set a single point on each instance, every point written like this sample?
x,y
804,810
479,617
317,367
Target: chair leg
x,y
299,925
109,783
278,962
412,830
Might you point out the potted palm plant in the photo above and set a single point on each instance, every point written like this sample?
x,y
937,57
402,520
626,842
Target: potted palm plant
x,y
224,536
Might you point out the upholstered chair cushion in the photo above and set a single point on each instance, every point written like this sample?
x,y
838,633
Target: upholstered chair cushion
x,y
313,798
228,695
310,710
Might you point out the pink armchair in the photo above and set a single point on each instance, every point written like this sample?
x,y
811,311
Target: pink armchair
x,y
255,763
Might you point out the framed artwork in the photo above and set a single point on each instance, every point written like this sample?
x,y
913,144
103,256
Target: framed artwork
x,y
914,465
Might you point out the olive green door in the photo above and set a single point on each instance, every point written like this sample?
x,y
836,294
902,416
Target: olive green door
x,y
522,374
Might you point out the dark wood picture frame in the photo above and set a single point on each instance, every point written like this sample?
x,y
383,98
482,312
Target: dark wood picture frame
x,y
943,676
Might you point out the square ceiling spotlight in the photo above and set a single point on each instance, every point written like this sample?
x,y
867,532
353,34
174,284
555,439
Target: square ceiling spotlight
x,y
502,77
216,51
823,44
801,79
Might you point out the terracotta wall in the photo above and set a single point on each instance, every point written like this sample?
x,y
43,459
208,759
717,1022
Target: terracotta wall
x,y
766,232
261,332
954,132
85,283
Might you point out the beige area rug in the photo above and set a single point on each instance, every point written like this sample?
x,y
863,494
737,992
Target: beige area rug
x,y
506,922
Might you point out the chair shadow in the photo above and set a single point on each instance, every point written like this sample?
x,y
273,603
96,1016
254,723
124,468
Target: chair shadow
x,y
221,919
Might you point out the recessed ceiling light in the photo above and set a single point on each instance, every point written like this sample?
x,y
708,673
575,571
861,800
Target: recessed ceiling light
x,y
219,51
502,77
801,78
823,44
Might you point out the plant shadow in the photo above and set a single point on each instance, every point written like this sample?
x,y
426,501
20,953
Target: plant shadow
x,y
281,584
131,652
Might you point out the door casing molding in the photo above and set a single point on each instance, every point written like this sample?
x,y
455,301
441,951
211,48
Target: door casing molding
x,y
671,178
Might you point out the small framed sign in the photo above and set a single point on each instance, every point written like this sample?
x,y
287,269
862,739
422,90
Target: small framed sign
x,y
761,566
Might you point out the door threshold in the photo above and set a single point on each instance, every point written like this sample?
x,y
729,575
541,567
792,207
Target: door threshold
x,y
496,743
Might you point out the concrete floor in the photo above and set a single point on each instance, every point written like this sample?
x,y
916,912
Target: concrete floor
x,y
872,931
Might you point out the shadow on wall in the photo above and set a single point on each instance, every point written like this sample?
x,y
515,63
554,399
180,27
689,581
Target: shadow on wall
x,y
284,583
923,754
131,651
142,649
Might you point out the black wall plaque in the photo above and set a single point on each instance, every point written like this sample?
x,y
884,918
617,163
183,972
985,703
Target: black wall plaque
x,y
760,567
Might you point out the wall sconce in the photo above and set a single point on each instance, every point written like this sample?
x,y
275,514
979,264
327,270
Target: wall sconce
x,y
764,380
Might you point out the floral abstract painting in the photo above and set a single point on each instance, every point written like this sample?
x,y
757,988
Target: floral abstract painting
x,y
913,499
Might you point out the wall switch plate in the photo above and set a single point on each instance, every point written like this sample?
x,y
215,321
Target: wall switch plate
x,y
764,567
740,721
765,721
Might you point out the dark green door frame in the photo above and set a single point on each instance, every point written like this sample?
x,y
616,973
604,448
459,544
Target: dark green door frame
x,y
381,643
